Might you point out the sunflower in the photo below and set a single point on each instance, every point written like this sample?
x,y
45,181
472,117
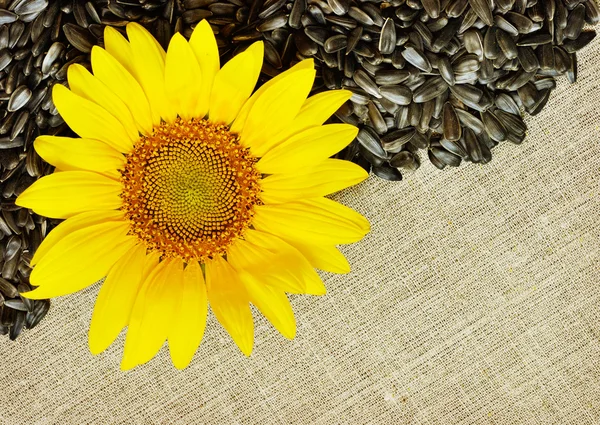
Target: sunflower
x,y
186,189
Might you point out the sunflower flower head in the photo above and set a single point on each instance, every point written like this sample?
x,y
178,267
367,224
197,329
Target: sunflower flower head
x,y
186,189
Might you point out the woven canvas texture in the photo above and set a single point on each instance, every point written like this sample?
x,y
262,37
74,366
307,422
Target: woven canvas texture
x,y
474,300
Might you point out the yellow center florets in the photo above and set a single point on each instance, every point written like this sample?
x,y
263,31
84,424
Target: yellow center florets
x,y
189,189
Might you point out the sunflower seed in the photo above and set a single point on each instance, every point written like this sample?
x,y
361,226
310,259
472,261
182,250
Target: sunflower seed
x,y
445,157
364,81
575,22
19,98
504,25
8,289
493,126
483,9
513,123
572,46
435,161
400,95
432,8
451,125
387,173
406,160
335,43
417,58
468,120
369,139
506,103
466,64
397,138
455,147
473,42
387,38
472,145
7,17
40,309
592,12
507,44
431,89
376,119
446,34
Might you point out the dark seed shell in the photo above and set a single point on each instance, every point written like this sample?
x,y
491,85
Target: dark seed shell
x,y
368,138
493,126
398,94
404,159
431,89
483,9
451,124
445,157
417,58
473,146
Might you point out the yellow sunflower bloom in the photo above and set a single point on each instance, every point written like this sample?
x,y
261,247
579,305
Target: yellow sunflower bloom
x,y
185,189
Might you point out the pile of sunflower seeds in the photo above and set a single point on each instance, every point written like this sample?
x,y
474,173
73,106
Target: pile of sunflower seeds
x,y
449,77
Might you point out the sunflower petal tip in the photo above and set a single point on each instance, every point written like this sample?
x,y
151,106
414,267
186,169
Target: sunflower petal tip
x,y
259,46
111,35
58,90
94,348
133,25
128,362
177,37
180,364
36,294
309,61
289,332
127,366
245,344
21,200
347,94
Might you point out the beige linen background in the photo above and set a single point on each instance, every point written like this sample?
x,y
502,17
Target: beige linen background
x,y
474,300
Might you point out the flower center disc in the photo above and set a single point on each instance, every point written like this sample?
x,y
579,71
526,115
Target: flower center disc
x,y
189,189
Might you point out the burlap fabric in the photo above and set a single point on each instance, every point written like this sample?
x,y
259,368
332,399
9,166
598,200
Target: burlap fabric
x,y
474,300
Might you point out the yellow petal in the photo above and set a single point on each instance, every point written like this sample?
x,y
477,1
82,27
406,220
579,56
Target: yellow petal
x,y
156,303
314,112
89,120
149,63
190,320
272,303
118,47
118,79
64,194
275,110
327,177
275,262
234,84
183,81
324,257
336,210
71,154
71,225
115,299
318,221
307,148
80,259
84,84
229,302
204,45
240,120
